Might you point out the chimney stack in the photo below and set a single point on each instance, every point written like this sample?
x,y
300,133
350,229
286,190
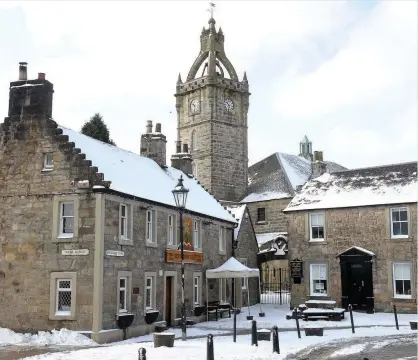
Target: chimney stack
x,y
182,160
318,167
23,71
41,76
153,146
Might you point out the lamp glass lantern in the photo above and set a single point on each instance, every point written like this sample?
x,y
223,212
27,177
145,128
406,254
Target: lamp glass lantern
x,y
180,194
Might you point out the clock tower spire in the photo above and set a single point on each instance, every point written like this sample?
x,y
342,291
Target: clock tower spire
x,y
212,107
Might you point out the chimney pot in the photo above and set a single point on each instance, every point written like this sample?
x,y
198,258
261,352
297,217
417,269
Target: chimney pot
x,y
178,147
321,156
315,156
185,148
149,126
23,71
157,127
41,76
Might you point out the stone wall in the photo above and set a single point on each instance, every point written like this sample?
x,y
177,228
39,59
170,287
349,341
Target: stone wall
x,y
276,220
28,250
144,258
366,227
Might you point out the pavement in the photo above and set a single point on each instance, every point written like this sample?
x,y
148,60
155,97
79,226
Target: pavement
x,y
396,347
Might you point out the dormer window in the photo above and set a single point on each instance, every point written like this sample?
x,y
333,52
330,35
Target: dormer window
x,y
48,162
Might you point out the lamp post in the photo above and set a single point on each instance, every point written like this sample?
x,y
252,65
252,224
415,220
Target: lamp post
x,y
180,197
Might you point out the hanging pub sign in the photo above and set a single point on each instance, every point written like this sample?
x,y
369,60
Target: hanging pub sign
x,y
296,268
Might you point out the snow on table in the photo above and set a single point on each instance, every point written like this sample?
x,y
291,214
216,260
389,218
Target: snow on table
x,y
224,347
319,310
330,302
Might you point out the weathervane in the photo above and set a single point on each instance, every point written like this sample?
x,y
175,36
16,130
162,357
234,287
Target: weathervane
x,y
211,9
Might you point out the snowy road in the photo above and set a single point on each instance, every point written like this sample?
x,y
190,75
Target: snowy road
x,y
396,347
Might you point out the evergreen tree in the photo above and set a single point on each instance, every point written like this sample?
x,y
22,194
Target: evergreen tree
x,y
97,129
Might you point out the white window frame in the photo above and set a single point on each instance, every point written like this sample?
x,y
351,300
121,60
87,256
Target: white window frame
x,y
124,220
61,233
399,209
196,234
311,279
171,238
197,289
48,165
222,239
401,296
149,288
311,226
125,291
58,290
149,223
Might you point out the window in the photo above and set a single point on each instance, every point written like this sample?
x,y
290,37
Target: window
x,y
261,214
317,227
66,219
402,280
123,221
196,240
399,222
63,297
319,282
149,237
170,235
149,298
222,290
194,140
48,161
244,281
222,240
196,289
123,285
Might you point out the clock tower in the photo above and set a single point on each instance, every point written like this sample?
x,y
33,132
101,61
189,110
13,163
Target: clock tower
x,y
212,107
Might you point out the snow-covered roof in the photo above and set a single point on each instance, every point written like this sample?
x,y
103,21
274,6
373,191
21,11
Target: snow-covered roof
x,y
278,176
266,237
238,211
142,177
232,268
389,184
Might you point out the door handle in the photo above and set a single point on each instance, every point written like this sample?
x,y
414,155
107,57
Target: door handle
x,y
362,282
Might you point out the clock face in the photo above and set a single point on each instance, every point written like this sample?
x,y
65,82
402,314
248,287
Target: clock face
x,y
229,105
195,106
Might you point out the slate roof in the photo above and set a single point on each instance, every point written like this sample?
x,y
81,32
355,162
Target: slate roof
x,y
139,176
278,176
388,184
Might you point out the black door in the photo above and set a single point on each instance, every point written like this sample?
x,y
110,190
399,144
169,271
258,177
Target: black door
x,y
357,286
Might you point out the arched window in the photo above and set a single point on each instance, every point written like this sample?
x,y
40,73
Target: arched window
x,y
194,140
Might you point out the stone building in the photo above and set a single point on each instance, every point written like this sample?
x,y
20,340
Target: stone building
x,y
273,182
212,106
89,231
355,232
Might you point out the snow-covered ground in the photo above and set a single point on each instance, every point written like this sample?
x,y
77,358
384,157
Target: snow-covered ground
x,y
43,338
275,315
224,348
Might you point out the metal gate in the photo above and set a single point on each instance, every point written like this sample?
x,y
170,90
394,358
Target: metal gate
x,y
275,286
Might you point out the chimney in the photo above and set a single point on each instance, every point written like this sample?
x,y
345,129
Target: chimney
x,y
41,76
318,167
153,146
182,160
23,71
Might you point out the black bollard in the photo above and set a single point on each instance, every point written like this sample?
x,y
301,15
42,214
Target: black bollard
x,y
142,354
235,325
209,353
350,308
276,347
295,311
254,340
396,317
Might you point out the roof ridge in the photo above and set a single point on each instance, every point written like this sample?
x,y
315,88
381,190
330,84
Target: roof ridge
x,y
376,167
285,174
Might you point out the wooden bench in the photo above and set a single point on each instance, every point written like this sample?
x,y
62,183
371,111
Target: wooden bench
x,y
218,309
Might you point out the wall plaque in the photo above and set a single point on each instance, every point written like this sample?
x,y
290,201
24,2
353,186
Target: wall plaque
x,y
75,252
135,290
190,257
114,253
296,268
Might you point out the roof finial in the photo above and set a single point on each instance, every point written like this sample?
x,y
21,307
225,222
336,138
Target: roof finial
x,y
179,81
211,10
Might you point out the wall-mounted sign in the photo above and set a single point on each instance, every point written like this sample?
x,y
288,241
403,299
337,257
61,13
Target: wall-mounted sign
x,y
75,252
188,233
296,268
190,257
114,253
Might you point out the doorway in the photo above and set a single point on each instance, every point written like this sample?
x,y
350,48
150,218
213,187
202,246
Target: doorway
x,y
357,280
168,301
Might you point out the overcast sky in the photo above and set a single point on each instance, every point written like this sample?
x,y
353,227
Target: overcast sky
x,y
343,73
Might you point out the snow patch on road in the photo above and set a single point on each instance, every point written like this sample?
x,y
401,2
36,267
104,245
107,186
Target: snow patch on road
x,y
353,349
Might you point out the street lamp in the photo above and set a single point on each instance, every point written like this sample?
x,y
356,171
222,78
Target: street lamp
x,y
180,197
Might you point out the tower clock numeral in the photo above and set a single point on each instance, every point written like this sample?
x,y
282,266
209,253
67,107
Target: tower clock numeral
x,y
229,105
195,106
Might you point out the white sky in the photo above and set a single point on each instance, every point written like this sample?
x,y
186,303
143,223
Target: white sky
x,y
343,73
